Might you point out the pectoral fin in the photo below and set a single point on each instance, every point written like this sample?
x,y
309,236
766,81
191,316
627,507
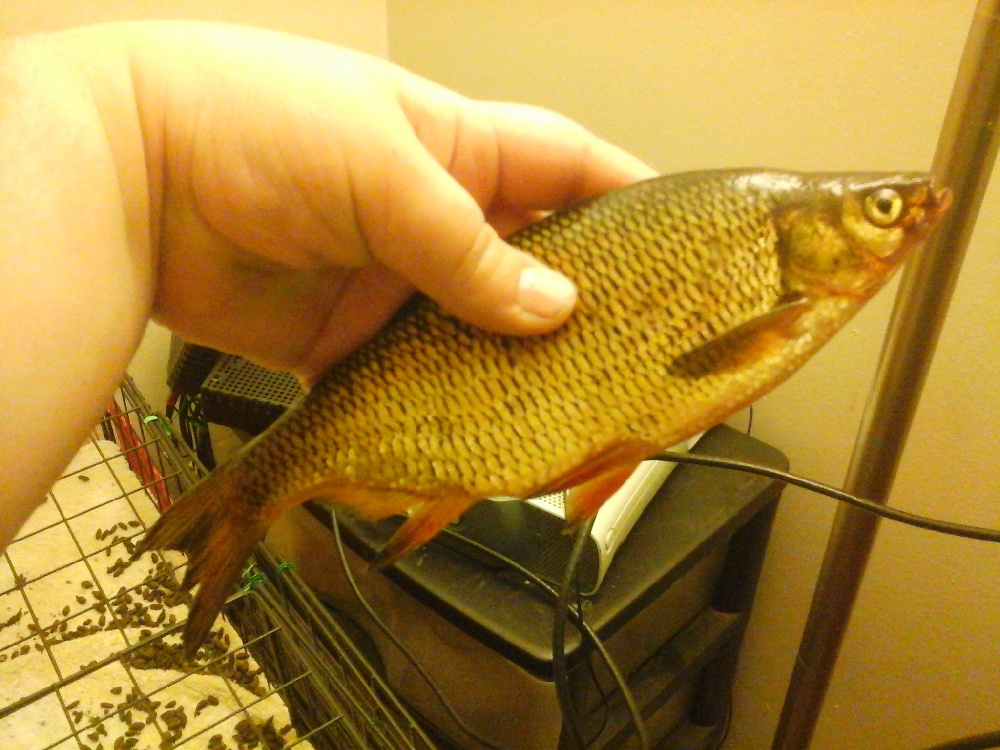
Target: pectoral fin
x,y
746,343
584,500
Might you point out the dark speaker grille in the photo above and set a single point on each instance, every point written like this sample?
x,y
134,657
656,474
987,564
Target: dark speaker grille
x,y
246,396
551,563
189,366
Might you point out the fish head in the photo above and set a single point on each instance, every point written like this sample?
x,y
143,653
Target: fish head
x,y
844,235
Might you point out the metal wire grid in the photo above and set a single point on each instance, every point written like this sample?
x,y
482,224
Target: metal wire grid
x,y
334,698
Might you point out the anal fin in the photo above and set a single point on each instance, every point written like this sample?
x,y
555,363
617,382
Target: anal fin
x,y
426,520
595,480
429,512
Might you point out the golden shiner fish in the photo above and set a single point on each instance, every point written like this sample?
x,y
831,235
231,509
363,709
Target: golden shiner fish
x,y
698,293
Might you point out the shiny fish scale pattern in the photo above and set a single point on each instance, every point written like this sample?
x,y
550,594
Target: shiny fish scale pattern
x,y
432,404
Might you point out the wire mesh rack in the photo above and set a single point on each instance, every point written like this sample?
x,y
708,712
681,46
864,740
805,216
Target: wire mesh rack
x,y
90,652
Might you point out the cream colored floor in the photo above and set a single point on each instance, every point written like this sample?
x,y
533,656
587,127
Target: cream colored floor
x,y
67,560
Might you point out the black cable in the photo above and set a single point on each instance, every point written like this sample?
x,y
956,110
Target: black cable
x,y
182,423
885,511
560,615
205,453
946,527
194,429
563,610
587,632
414,662
595,680
972,742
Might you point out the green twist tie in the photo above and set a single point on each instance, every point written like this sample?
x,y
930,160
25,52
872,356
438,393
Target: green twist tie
x,y
281,567
254,580
164,424
252,577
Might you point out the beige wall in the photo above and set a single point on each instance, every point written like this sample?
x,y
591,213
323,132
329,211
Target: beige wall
x,y
691,84
359,24
356,23
840,84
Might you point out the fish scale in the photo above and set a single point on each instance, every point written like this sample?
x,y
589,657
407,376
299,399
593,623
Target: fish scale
x,y
697,294
442,382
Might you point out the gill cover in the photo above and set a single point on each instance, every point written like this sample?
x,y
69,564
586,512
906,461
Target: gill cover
x,y
845,233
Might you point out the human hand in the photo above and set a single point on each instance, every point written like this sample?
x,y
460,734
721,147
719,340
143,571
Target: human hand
x,y
268,196
299,191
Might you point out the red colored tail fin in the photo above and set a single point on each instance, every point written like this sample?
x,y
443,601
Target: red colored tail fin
x,y
210,525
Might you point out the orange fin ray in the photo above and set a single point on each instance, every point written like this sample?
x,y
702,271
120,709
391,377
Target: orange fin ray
x,y
597,464
428,518
372,503
584,500
205,524
430,513
592,482
748,342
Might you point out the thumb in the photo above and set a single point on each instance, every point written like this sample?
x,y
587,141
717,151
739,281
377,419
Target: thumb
x,y
433,232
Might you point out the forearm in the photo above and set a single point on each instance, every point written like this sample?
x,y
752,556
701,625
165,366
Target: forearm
x,y
269,196
75,262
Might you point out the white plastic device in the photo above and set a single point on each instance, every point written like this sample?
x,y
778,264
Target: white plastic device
x,y
532,533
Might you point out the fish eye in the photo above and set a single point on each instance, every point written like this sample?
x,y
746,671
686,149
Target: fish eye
x,y
883,206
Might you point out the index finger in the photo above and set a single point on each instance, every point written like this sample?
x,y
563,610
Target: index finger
x,y
547,161
513,155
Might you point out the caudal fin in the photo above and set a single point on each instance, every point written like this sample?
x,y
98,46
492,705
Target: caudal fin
x,y
210,525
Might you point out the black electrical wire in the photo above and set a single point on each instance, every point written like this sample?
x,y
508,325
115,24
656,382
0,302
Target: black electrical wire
x,y
559,616
972,742
415,663
564,611
595,680
194,430
561,676
586,631
885,511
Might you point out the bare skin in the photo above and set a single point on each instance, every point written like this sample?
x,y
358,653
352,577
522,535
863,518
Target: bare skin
x,y
265,195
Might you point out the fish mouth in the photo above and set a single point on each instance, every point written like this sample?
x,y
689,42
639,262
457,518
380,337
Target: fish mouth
x,y
926,206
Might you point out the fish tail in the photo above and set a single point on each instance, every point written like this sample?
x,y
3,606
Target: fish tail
x,y
207,524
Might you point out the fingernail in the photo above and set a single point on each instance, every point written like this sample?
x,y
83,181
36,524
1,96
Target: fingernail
x,y
545,293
